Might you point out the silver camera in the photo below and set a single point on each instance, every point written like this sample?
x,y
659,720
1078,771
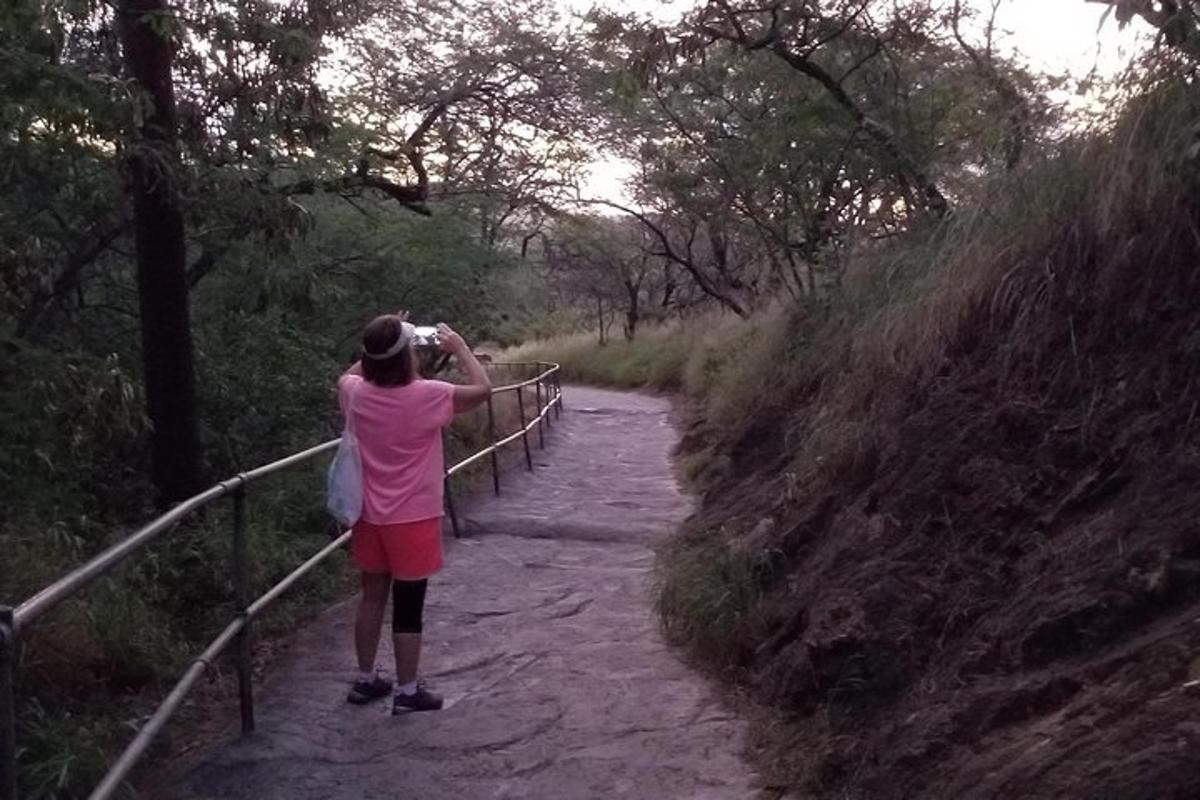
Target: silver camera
x,y
425,336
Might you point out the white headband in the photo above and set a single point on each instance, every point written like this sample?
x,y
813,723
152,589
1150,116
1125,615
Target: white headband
x,y
406,333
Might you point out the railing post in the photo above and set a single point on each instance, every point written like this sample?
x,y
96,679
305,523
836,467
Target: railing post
x,y
8,705
541,419
448,495
524,432
241,598
450,507
492,443
558,390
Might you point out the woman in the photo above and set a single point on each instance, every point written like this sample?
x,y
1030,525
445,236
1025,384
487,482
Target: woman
x,y
397,418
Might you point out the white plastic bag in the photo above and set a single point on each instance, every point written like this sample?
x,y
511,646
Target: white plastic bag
x,y
344,484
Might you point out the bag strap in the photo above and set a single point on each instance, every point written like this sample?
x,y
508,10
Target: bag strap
x,y
351,396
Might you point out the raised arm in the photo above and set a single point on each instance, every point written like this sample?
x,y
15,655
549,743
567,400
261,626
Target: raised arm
x,y
475,393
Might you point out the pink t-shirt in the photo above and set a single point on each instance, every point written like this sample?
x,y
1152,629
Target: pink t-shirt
x,y
399,432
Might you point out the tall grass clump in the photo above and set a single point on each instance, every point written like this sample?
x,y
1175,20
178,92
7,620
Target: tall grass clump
x,y
709,587
694,357
653,360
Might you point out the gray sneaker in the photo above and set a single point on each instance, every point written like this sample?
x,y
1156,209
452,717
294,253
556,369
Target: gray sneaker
x,y
420,700
363,692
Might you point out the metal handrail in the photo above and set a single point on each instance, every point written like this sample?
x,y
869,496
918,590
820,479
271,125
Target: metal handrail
x,y
511,387
13,621
64,587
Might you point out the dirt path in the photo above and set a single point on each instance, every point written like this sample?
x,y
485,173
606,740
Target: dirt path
x,y
540,634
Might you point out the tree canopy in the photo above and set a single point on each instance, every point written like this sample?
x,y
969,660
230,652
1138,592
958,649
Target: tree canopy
x,y
207,198
161,154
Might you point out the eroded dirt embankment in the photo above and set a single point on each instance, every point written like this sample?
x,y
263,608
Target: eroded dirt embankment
x,y
977,543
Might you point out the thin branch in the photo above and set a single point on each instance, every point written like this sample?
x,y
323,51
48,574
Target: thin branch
x,y
412,197
933,198
68,279
1017,109
669,252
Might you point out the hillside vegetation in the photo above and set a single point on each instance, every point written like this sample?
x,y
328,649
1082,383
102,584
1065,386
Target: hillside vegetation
x,y
936,344
946,520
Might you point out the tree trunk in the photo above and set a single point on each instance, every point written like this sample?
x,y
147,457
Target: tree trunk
x,y
633,310
600,321
161,254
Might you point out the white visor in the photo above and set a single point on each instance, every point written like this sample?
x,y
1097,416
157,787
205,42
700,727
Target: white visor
x,y
406,335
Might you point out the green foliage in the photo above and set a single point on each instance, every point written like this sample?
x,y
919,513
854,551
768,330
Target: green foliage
x,y
370,258
770,139
760,179
275,322
265,388
93,668
74,438
707,589
65,754
272,334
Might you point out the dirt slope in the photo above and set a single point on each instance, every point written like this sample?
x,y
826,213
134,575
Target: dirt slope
x,y
977,551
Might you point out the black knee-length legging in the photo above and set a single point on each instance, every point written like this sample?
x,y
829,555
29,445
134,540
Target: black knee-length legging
x,y
408,605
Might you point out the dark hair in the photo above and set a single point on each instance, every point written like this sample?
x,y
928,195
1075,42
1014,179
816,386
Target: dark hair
x,y
379,336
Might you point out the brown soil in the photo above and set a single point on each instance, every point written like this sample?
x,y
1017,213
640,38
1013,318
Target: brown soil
x,y
994,589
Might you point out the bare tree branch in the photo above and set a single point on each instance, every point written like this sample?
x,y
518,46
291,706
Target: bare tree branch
x,y
1016,108
669,252
932,197
412,197
68,279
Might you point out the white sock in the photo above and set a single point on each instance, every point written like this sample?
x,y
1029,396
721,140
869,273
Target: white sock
x,y
407,688
367,677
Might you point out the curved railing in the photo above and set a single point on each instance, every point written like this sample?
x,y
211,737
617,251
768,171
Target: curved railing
x,y
14,621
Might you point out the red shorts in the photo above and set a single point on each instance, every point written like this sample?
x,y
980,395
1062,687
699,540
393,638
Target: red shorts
x,y
410,551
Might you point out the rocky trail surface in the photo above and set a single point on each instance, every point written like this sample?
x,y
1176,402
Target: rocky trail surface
x,y
541,635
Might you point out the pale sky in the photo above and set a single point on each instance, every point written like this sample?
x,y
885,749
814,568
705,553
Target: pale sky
x,y
1058,37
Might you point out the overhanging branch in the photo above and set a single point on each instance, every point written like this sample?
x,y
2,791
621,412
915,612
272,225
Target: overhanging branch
x,y
411,196
669,252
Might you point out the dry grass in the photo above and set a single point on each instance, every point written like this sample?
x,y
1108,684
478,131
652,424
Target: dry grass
x,y
667,357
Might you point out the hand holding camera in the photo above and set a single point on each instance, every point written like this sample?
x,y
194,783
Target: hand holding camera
x,y
449,341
